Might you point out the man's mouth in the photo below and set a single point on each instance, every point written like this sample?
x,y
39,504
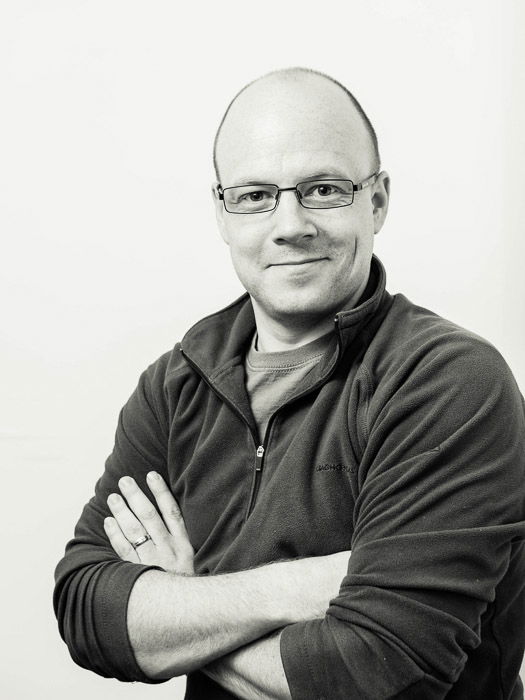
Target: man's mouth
x,y
303,261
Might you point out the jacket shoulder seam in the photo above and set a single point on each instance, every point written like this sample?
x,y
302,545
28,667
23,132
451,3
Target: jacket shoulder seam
x,y
364,426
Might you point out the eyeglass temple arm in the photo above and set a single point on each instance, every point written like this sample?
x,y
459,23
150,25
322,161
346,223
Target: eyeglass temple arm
x,y
365,183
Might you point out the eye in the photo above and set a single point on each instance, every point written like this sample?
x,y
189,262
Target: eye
x,y
326,194
324,190
255,196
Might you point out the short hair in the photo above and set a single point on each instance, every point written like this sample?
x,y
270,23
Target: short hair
x,y
366,121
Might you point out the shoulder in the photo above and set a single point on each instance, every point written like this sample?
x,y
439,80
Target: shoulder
x,y
170,362
432,387
413,339
168,369
418,358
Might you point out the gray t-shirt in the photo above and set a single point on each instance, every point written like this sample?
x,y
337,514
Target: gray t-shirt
x,y
272,376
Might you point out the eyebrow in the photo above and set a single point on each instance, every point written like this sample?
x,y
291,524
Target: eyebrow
x,y
323,175
328,175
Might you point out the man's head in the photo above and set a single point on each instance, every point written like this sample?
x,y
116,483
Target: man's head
x,y
287,127
290,74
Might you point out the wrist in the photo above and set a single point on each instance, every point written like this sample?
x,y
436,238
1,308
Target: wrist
x,y
304,587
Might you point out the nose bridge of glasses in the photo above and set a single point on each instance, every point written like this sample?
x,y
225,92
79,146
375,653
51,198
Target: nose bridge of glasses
x,y
288,189
292,220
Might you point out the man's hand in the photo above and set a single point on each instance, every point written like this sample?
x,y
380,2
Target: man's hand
x,y
169,546
179,622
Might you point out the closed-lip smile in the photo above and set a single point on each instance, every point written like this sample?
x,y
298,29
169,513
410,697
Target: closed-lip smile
x,y
297,262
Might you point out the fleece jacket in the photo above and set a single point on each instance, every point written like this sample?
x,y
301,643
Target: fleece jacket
x,y
405,444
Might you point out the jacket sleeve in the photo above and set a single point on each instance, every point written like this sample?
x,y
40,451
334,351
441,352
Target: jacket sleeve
x,y
92,584
440,505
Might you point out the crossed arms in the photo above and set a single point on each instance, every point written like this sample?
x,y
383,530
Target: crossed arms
x,y
179,622
429,548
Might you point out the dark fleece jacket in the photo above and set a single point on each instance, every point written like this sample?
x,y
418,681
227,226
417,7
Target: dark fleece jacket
x,y
406,445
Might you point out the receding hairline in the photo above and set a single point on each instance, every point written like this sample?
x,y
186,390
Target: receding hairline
x,y
297,71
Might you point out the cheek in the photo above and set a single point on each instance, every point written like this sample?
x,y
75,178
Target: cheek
x,y
355,235
345,242
246,243
245,253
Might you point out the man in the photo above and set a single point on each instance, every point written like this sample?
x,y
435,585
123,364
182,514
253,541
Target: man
x,y
313,416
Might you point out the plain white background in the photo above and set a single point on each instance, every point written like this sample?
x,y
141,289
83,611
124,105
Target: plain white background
x,y
109,245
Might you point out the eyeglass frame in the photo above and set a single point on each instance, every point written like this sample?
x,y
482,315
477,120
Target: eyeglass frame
x,y
219,190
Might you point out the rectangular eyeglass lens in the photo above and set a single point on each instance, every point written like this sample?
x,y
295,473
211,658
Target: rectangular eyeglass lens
x,y
326,194
250,198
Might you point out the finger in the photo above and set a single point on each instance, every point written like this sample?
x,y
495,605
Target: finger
x,y
168,506
129,525
117,540
143,510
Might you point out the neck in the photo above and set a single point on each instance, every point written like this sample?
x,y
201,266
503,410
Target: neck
x,y
274,336
278,334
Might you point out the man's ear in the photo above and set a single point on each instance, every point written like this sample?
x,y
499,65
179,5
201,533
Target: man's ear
x,y
380,199
219,212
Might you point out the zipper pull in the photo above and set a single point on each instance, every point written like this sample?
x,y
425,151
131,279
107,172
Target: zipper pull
x,y
259,454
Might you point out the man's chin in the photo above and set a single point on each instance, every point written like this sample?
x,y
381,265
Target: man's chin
x,y
290,311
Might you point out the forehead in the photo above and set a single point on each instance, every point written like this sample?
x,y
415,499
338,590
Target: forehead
x,y
285,158
277,131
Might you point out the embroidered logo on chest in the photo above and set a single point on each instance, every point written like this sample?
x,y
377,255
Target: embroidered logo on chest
x,y
334,467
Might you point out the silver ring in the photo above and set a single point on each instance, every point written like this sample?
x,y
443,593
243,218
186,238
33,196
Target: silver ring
x,y
140,541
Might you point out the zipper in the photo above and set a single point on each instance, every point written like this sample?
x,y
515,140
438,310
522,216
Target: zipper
x,y
259,458
261,449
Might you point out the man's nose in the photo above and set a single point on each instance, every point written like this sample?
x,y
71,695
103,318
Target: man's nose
x,y
292,222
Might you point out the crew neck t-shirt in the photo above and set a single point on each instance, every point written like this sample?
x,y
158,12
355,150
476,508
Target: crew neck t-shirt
x,y
272,376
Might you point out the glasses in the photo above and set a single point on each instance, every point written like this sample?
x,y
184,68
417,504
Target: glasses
x,y
314,194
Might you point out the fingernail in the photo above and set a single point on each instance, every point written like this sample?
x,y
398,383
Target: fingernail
x,y
126,481
153,475
113,499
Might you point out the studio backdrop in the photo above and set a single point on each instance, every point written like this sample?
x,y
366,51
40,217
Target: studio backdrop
x,y
109,244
